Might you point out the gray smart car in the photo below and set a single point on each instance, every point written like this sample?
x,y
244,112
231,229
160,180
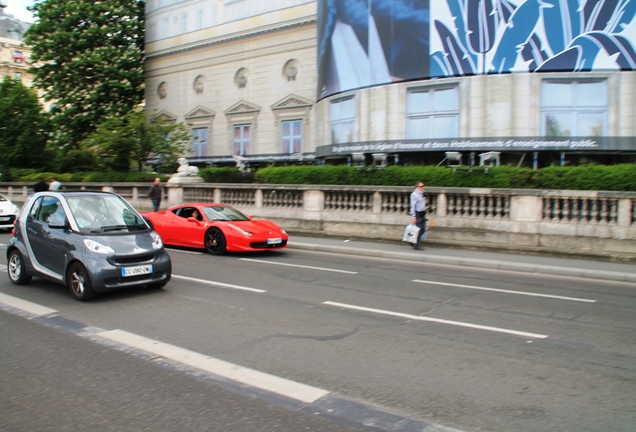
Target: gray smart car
x,y
89,241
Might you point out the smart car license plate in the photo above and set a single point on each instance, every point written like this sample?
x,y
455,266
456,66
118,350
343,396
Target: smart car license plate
x,y
4,219
274,241
136,271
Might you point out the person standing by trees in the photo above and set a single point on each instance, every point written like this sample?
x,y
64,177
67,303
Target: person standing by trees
x,y
155,194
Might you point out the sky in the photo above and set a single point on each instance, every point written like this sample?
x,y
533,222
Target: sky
x,y
18,8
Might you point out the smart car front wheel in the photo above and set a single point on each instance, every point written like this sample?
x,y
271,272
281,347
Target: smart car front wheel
x,y
16,269
79,282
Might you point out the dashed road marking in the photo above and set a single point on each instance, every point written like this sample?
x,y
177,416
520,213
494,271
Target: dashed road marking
x,y
300,266
254,378
507,291
436,320
221,284
30,308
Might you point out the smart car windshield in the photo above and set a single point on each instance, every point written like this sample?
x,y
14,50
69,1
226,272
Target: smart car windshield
x,y
223,213
104,213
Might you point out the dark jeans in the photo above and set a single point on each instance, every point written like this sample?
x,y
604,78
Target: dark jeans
x,y
156,204
420,221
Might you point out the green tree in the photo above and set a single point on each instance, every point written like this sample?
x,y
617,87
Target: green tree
x,y
24,129
88,57
125,142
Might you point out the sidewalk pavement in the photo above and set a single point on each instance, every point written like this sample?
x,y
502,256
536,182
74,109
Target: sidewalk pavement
x,y
549,265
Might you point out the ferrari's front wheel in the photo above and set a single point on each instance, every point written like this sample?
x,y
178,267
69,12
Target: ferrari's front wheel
x,y
215,241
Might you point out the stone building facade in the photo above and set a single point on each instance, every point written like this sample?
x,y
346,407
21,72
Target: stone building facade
x,y
14,54
274,81
242,74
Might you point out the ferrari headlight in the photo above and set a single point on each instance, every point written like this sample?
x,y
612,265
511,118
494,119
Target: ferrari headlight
x,y
156,241
99,248
241,230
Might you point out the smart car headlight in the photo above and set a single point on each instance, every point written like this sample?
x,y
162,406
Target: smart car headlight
x,y
241,230
99,248
156,241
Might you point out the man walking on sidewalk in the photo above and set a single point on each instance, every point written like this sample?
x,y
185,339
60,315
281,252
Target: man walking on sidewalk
x,y
418,213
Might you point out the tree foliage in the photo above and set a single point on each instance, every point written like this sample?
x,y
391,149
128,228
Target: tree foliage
x,y
88,57
24,127
123,142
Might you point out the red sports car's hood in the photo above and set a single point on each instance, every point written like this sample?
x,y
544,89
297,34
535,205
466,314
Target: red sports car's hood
x,y
258,227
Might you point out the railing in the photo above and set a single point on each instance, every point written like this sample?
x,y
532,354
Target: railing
x,y
594,211
530,217
488,206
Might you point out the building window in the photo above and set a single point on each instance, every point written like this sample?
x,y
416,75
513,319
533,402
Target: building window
x,y
291,136
242,141
432,112
342,117
200,142
184,23
18,76
164,28
574,108
199,19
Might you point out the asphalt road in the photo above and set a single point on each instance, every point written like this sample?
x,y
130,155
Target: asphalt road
x,y
423,344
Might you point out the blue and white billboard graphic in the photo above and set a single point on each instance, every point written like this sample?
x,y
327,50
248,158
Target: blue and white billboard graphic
x,y
364,43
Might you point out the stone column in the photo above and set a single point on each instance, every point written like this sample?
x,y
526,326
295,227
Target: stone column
x,y
313,204
624,212
526,209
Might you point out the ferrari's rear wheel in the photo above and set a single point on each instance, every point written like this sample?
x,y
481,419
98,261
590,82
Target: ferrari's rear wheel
x,y
215,241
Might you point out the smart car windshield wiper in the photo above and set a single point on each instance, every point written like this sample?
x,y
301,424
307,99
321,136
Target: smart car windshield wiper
x,y
119,228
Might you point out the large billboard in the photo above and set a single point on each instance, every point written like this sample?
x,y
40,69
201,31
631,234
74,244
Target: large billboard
x,y
364,43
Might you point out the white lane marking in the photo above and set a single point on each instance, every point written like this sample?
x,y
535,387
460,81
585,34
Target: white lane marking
x,y
436,320
185,251
25,306
221,284
262,380
507,291
300,266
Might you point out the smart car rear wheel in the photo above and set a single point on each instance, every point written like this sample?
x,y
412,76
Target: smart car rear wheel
x,y
16,269
79,282
215,241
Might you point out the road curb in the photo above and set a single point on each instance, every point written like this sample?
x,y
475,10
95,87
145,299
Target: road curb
x,y
471,262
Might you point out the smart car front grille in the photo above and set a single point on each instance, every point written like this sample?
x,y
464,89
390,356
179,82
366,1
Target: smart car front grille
x,y
128,260
263,245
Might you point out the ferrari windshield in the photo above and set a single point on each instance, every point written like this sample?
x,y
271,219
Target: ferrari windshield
x,y
223,213
103,213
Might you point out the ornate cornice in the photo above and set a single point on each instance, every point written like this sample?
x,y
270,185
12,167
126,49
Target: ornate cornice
x,y
182,49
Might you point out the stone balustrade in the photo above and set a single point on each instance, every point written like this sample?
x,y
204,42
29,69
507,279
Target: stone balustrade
x,y
579,222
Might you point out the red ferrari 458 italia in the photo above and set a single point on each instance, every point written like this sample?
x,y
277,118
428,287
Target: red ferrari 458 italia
x,y
216,227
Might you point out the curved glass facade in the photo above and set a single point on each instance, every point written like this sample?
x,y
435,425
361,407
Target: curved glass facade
x,y
363,43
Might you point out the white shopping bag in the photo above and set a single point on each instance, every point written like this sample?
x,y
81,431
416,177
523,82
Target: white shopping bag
x,y
410,233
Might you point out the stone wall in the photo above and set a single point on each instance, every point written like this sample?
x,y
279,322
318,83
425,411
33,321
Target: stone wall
x,y
577,223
